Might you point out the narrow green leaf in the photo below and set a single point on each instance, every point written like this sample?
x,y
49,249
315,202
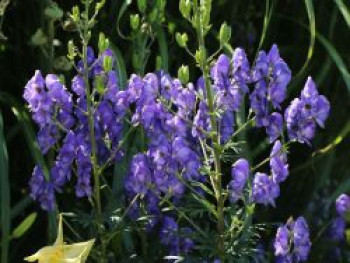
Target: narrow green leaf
x,y
336,59
163,48
27,129
344,11
24,226
312,29
5,195
122,75
210,207
122,10
331,50
269,7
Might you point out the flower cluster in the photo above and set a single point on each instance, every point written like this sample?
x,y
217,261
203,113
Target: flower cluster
x,y
305,112
292,242
177,122
62,118
271,76
162,107
265,188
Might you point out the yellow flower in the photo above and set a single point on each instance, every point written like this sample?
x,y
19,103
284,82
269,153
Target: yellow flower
x,y
59,252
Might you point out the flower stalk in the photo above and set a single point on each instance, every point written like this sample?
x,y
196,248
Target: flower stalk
x,y
217,180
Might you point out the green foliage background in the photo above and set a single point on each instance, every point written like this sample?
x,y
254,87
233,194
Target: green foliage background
x,y
313,37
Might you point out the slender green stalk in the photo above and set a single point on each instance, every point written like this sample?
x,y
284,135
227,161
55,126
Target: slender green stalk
x,y
91,124
215,137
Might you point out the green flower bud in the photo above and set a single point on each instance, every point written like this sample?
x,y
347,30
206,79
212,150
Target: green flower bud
x,y
99,85
224,34
183,74
135,22
53,11
142,5
75,13
103,43
181,39
107,63
99,5
185,7
71,50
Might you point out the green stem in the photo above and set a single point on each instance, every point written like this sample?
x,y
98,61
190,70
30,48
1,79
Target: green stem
x,y
215,137
91,124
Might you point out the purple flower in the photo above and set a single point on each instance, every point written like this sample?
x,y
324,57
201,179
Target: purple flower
x,y
278,163
264,190
292,242
140,175
275,126
240,174
280,77
281,243
303,114
301,239
227,126
41,190
169,232
336,230
221,67
342,204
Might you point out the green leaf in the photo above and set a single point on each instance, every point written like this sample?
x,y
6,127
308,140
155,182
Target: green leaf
x,y
39,38
312,28
24,226
122,75
163,48
53,11
336,59
122,11
5,195
209,206
267,18
344,11
28,130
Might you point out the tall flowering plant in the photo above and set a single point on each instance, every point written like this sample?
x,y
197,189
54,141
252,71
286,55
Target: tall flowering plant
x,y
191,183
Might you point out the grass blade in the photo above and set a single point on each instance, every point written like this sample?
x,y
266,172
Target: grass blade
x,y
344,11
312,28
122,75
27,129
163,49
267,18
333,53
5,195
24,226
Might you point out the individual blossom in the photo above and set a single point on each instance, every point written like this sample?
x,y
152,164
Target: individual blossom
x,y
62,252
274,127
278,163
140,175
264,190
281,243
279,78
41,190
301,238
169,235
227,123
337,228
240,174
292,242
342,204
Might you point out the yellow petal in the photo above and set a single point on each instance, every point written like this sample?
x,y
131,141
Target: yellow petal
x,y
32,258
78,250
59,239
